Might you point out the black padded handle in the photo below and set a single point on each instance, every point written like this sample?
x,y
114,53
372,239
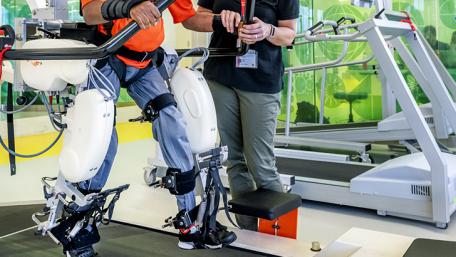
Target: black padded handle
x,y
9,36
316,26
320,25
344,19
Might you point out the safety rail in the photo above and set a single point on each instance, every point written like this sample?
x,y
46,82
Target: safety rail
x,y
336,26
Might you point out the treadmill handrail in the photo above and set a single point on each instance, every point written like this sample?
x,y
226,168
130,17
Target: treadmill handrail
x,y
313,67
110,46
323,64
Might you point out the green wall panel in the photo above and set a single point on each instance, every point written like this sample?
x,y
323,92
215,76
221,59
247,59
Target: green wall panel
x,y
360,80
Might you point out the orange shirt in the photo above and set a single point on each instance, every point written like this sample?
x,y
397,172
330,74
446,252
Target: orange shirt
x,y
149,39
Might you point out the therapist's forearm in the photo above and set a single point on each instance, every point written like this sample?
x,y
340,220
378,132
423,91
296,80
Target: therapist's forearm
x,y
200,22
283,36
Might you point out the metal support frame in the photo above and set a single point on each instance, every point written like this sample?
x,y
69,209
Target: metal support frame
x,y
441,129
56,10
445,75
289,97
438,85
431,150
321,118
56,200
360,148
388,98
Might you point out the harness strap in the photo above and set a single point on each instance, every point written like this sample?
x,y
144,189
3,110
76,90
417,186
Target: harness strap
x,y
120,67
154,106
207,216
218,183
123,51
216,203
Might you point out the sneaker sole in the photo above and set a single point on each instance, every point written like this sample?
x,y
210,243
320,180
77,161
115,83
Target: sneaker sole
x,y
191,246
230,241
214,247
186,245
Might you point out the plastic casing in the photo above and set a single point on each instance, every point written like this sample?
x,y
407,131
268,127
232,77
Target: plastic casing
x,y
87,137
54,75
194,100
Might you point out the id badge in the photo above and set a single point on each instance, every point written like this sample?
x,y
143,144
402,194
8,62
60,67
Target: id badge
x,y
248,61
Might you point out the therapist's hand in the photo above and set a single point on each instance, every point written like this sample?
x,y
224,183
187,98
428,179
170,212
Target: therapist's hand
x,y
255,32
230,20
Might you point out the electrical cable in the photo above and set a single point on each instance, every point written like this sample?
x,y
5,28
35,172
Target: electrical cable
x,y
50,111
95,76
2,143
202,60
51,115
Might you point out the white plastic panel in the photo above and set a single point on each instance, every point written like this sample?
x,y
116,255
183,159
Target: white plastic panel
x,y
195,101
54,75
87,137
407,177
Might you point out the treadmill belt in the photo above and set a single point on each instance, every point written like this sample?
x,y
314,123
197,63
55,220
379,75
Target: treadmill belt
x,y
117,240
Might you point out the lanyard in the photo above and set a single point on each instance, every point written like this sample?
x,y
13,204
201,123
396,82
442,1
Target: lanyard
x,y
243,8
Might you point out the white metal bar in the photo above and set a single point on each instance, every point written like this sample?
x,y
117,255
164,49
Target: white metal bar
x,y
289,92
366,134
388,98
416,120
313,156
380,5
321,118
440,121
438,86
341,27
323,143
323,64
446,76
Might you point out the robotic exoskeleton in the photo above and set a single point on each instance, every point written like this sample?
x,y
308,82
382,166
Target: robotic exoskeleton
x,y
73,215
194,100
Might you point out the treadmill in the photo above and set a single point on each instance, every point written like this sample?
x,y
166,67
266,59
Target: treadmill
x,y
344,165
119,240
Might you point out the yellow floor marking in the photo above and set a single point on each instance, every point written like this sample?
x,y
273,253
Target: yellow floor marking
x,y
128,132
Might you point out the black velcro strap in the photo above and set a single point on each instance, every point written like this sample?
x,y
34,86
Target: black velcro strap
x,y
217,24
153,107
118,9
184,182
134,55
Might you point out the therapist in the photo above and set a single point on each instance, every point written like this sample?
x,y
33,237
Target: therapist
x,y
246,90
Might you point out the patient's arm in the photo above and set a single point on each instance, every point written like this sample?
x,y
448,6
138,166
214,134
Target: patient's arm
x,y
92,13
145,13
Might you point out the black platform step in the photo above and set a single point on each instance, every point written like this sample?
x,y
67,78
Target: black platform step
x,y
265,204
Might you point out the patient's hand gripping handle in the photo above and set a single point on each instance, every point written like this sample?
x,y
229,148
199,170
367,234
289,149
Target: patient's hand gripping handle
x,y
7,36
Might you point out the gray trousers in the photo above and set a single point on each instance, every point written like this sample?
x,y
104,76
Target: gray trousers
x,y
168,129
247,123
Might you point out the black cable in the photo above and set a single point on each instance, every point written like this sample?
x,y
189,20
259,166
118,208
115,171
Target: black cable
x,y
2,143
